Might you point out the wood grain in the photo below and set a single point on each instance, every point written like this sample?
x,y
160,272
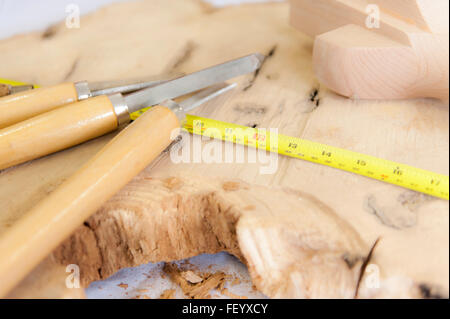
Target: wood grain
x,y
303,231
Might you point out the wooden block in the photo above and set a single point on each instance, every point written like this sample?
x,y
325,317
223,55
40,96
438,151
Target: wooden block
x,y
401,54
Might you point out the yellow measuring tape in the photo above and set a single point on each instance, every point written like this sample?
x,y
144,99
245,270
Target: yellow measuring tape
x,y
387,171
14,83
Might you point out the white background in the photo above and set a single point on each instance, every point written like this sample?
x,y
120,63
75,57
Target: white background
x,y
19,16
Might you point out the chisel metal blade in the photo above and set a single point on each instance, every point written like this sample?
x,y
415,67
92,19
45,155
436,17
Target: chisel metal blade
x,y
205,96
129,85
193,82
197,99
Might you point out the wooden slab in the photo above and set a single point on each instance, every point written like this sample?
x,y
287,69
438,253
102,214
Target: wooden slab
x,y
305,231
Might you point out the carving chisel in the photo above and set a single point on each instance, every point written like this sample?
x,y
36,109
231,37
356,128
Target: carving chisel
x,y
75,123
25,101
53,219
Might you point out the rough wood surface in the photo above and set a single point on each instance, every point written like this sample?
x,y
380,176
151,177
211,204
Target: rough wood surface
x,y
198,290
305,231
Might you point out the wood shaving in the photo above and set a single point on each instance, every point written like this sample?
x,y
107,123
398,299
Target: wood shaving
x,y
236,281
122,285
199,290
191,277
142,290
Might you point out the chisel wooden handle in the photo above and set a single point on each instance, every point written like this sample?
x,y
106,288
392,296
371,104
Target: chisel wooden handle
x,y
41,229
56,130
4,90
23,105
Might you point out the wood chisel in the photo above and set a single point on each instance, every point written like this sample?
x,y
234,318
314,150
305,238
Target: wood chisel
x,y
25,101
75,123
42,228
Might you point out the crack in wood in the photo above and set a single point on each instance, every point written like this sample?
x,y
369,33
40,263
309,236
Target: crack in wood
x,y
429,292
97,245
72,69
270,54
313,95
50,32
314,98
183,55
249,109
364,266
351,261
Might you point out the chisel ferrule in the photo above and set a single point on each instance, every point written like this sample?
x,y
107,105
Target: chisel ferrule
x,y
83,90
120,108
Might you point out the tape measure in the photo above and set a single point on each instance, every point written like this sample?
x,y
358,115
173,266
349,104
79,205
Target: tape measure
x,y
10,82
406,176
383,170
13,83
